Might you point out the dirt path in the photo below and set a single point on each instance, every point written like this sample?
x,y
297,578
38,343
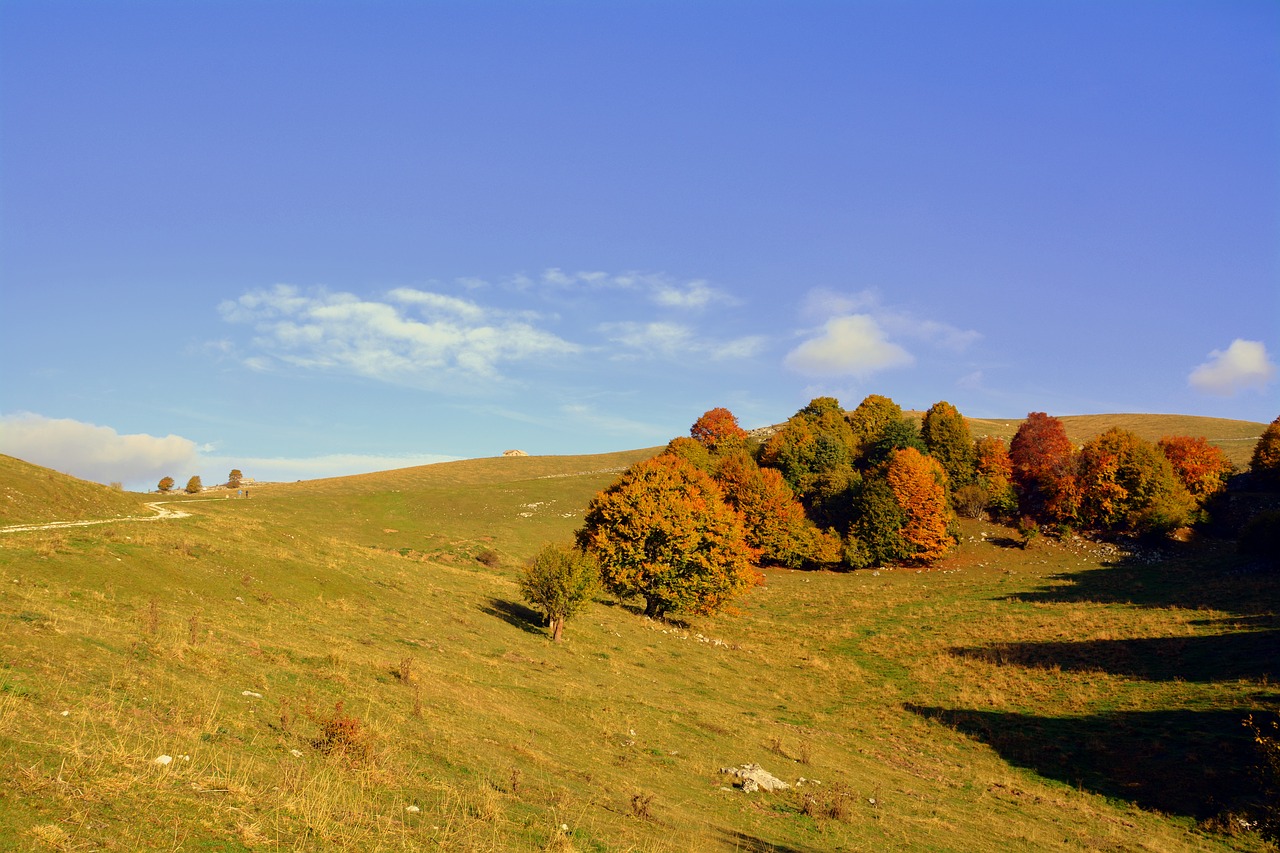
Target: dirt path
x,y
162,513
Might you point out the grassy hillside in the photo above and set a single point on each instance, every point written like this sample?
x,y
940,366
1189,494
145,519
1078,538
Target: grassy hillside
x,y
1236,438
29,493
1068,697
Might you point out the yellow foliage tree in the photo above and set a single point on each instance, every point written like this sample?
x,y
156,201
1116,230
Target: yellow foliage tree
x,y
919,486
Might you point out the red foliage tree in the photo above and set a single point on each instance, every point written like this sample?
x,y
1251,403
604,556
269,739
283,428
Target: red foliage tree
x,y
718,429
1202,468
1044,469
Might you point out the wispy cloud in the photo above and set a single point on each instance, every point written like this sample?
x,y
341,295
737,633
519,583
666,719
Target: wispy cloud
x,y
1243,365
673,340
413,336
93,452
662,290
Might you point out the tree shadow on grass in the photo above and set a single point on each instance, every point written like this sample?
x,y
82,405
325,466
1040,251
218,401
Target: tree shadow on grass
x,y
1190,576
752,844
513,613
1251,655
1196,763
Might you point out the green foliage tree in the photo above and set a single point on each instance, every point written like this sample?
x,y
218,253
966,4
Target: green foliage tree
x,y
870,418
946,435
1043,463
895,435
1265,462
1126,483
691,451
664,532
166,484
560,580
234,478
815,441
875,535
194,485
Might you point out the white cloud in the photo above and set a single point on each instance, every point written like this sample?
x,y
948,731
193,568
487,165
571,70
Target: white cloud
x,y
94,452
1242,366
449,338
852,345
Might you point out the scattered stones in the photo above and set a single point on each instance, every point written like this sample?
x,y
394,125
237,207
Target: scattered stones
x,y
755,778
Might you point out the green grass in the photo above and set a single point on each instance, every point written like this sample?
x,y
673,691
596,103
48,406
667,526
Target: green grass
x,y
1065,697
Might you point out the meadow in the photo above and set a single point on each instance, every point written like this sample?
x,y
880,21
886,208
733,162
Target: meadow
x,y
346,665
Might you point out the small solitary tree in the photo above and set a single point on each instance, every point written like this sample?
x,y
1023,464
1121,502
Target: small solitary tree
x,y
560,580
165,485
194,485
233,479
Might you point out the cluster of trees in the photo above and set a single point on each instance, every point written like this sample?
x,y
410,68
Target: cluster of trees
x,y
194,485
848,489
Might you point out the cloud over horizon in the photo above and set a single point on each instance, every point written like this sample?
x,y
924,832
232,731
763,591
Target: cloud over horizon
x,y
850,345
1243,365
93,452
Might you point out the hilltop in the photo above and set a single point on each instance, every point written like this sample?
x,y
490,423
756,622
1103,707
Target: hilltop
x,y
347,664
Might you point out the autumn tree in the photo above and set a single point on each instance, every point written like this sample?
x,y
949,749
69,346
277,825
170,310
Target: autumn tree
x,y
895,435
775,522
1043,462
875,534
870,418
166,484
691,451
1126,483
814,441
1265,463
194,485
1202,468
993,473
946,435
663,531
919,485
234,478
718,431
560,580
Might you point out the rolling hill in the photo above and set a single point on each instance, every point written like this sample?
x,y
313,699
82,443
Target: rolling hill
x,y
346,664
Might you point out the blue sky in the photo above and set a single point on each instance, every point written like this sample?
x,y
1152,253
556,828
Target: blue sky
x,y
317,238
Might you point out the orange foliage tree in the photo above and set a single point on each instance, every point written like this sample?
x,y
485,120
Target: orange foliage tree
x,y
776,524
718,430
1202,468
919,485
1044,469
663,531
1127,484
994,474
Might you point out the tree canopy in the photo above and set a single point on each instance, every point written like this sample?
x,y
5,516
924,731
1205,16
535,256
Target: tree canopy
x,y
664,532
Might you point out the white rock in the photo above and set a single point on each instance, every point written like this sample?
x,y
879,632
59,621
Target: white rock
x,y
163,760
412,809
295,753
250,693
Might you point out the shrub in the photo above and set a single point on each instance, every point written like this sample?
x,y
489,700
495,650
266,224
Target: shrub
x,y
194,485
489,557
971,501
561,581
1260,537
343,735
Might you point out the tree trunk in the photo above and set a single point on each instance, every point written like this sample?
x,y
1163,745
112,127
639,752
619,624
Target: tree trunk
x,y
653,608
556,626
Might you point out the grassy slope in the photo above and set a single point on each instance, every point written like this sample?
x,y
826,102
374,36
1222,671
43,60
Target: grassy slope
x,y
29,493
1055,699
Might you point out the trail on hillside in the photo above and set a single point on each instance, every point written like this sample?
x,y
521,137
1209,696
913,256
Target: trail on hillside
x,y
163,513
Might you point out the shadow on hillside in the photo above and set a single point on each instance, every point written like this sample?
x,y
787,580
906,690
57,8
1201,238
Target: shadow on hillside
x,y
513,613
1196,763
751,844
1004,542
1189,576
1252,655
